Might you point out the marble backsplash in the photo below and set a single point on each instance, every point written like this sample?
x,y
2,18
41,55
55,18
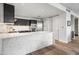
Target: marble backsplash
x,y
5,28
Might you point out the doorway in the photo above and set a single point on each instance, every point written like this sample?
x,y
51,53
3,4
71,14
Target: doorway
x,y
76,26
72,27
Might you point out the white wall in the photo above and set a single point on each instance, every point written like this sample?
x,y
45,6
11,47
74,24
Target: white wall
x,y
47,24
68,28
1,12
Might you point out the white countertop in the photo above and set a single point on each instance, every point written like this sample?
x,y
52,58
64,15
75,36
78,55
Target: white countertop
x,y
10,35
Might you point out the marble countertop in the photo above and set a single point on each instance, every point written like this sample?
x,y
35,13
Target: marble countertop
x,y
10,35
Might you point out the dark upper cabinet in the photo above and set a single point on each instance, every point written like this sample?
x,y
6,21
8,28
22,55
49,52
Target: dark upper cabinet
x,y
22,22
25,22
33,21
8,13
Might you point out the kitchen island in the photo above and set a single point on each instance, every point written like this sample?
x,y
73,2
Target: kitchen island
x,y
24,43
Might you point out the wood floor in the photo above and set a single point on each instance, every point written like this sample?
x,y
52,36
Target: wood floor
x,y
60,48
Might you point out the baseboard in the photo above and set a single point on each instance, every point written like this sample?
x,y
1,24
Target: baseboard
x,y
63,41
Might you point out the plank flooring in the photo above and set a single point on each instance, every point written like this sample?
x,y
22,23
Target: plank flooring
x,y
72,48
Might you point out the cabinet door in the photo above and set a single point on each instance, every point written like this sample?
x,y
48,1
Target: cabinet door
x,y
8,13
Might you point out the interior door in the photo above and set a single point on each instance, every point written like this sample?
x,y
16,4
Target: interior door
x,y
55,30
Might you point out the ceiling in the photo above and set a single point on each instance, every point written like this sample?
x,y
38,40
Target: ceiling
x,y
37,10
73,6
